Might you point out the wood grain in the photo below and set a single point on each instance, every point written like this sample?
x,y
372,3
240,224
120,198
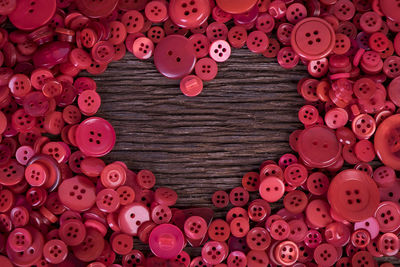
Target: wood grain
x,y
203,144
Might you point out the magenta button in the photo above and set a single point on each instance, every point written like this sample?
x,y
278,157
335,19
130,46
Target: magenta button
x,y
166,241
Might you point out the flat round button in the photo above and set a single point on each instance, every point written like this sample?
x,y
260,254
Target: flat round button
x,y
220,199
272,189
317,212
191,85
72,232
318,146
258,239
391,9
353,195
77,193
219,230
95,137
257,258
29,15
325,255
19,239
132,216
55,251
362,258
166,241
91,247
122,244
236,6
195,227
172,60
189,14
386,142
313,38
97,8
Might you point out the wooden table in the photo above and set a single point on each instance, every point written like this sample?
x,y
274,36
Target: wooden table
x,y
203,144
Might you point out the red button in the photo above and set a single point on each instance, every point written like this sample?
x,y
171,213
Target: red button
x,y
132,216
390,9
318,213
113,175
360,238
295,174
353,195
219,230
107,200
206,69
36,174
133,21
95,137
19,85
336,118
295,201
318,147
122,244
362,258
236,6
257,258
166,241
55,251
220,199
257,42
325,255
388,216
237,36
389,244
195,227
29,17
91,248
77,193
11,173
19,239
251,181
239,196
386,140
272,189
308,115
364,150
298,230
189,14
258,239
239,227
287,58
286,253
72,232
97,9
191,85
313,38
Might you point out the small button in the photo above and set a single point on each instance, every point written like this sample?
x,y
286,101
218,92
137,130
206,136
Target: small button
x,y
384,176
122,244
113,175
287,58
337,234
97,9
257,258
364,150
19,239
166,241
239,227
363,126
308,115
213,252
237,36
161,214
360,238
220,50
362,258
219,230
191,85
239,196
55,251
295,202
258,239
189,14
132,216
72,232
36,174
220,199
317,213
91,248
195,227
237,258
295,174
107,200
390,9
336,118
388,244
279,230
298,230
206,69
388,216
272,189
257,42
325,255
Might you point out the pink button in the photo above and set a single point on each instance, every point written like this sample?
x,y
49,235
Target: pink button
x,y
220,50
19,239
272,189
132,216
166,241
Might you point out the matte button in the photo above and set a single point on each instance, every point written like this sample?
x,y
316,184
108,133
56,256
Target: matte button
x,y
220,199
97,8
236,6
72,232
384,176
172,61
133,21
257,258
189,14
390,9
279,230
386,140
272,189
55,251
107,200
257,42
258,239
19,239
317,213
353,195
166,196
11,173
29,17
239,196
362,258
219,230
166,241
96,137
295,174
295,202
206,69
325,254
313,38
77,193
191,85
91,248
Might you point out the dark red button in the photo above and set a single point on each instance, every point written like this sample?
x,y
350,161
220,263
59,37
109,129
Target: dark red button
x,y
77,193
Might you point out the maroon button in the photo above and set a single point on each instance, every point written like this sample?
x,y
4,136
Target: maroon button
x,y
172,61
325,254
72,232
239,196
308,115
237,258
55,251
206,69
19,239
91,248
77,193
287,58
29,17
220,199
257,42
258,239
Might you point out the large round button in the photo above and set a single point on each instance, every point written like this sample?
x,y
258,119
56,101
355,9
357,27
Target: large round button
x,y
174,57
132,216
353,195
189,14
313,38
166,241
387,142
31,14
236,6
95,137
318,147
77,193
391,9
96,8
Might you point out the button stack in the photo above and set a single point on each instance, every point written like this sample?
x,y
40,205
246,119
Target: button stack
x,y
61,204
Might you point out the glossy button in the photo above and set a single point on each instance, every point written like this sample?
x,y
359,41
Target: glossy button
x,y
166,241
386,142
55,251
325,255
132,216
236,6
313,38
191,85
95,137
390,9
318,147
97,8
19,239
353,195
174,61
189,14
27,16
272,189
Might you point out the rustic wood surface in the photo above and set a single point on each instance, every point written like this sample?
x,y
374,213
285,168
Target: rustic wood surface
x,y
198,145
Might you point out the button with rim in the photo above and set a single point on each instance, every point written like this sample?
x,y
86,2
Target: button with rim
x,y
97,9
353,195
317,213
91,248
77,193
325,254
213,252
72,232
132,216
189,14
166,241
272,189
172,61
337,234
388,216
295,201
390,9
257,258
55,251
388,244
362,258
19,239
385,142
236,6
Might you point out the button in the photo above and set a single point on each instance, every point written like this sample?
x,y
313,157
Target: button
x,y
191,85
336,118
364,150
318,147
287,58
257,42
370,22
19,216
19,85
308,115
200,44
55,251
388,216
317,213
362,258
166,241
295,202
279,230
220,50
132,216
286,253
239,227
295,174
113,175
220,199
161,214
360,238
143,48
257,258
80,58
272,189
326,255
103,52
12,173
95,137
72,232
337,234
219,230
107,200
237,36
342,44
122,244
390,9
91,248
236,6
353,195
195,227
36,174
117,32
172,62
206,69
213,252
77,193
133,21
97,8
237,258
19,239
388,244
27,16
239,196
187,14
166,196
258,239
313,38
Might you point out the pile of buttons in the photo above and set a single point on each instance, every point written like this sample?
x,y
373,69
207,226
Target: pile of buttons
x,y
62,205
